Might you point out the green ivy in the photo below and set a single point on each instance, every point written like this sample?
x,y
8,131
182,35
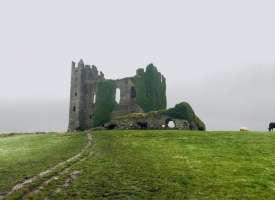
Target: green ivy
x,y
199,123
151,89
150,95
105,101
184,111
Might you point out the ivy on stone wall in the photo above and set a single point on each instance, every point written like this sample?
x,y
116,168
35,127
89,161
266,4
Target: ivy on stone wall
x,y
151,89
105,101
199,123
184,111
150,95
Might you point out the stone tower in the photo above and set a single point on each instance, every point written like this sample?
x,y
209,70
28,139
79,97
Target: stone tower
x,y
93,98
84,80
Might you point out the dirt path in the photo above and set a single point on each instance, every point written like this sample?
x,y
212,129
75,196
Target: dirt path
x,y
44,178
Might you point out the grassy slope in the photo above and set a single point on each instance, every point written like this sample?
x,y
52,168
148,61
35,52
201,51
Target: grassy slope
x,y
175,165
26,155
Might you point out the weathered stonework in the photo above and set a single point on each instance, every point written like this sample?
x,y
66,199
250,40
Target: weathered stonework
x,y
127,102
152,120
142,102
87,107
84,79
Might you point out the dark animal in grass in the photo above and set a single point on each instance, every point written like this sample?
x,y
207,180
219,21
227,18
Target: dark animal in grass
x,y
271,126
111,126
142,125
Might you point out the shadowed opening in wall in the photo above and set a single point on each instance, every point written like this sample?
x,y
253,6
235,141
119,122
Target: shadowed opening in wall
x,y
133,92
118,95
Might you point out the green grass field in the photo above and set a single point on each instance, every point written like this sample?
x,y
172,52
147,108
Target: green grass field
x,y
22,156
149,165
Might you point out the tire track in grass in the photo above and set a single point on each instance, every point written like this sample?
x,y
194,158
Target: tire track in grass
x,y
36,183
67,176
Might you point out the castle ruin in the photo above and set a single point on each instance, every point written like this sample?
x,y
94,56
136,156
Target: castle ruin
x,y
93,100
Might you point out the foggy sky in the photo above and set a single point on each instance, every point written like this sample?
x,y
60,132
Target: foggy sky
x,y
218,55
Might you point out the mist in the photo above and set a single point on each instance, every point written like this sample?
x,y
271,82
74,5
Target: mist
x,y
34,116
217,55
225,101
234,98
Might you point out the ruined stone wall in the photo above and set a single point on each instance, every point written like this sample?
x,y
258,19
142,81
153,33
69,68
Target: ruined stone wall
x,y
151,89
93,102
127,103
84,79
105,102
154,120
92,99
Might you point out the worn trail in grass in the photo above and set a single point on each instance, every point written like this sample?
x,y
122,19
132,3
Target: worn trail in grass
x,y
24,156
167,165
34,185
171,165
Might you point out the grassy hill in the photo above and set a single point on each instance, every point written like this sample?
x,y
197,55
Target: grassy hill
x,y
23,156
150,165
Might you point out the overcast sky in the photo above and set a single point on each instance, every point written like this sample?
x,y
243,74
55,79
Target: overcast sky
x,y
218,55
